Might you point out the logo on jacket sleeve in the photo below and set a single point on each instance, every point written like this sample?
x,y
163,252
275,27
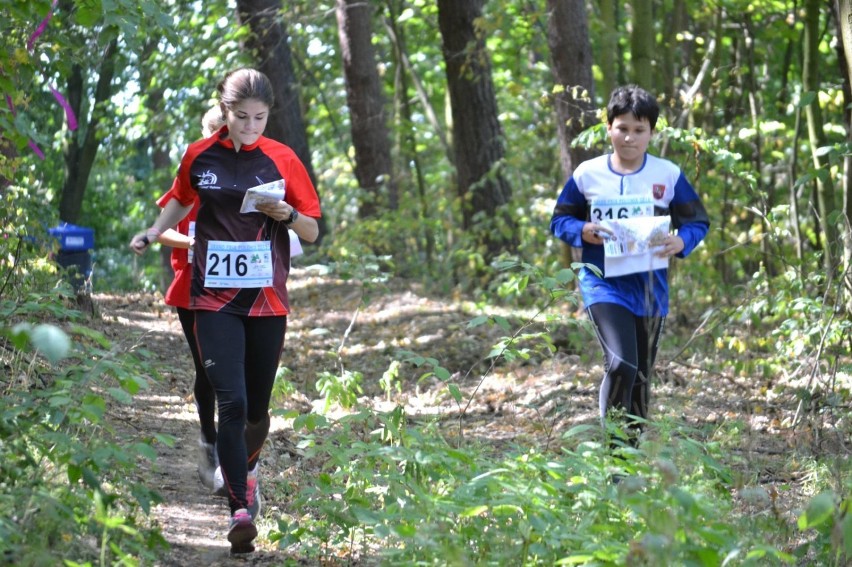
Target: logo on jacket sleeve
x,y
659,190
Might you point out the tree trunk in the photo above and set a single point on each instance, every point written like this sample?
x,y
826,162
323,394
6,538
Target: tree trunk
x,y
571,56
370,136
159,143
269,43
843,20
477,136
83,144
609,46
816,133
674,57
642,44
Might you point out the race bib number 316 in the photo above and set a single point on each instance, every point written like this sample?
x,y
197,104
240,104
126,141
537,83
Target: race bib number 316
x,y
238,264
621,208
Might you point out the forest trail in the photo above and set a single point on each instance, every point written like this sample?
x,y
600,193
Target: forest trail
x,y
337,324
193,521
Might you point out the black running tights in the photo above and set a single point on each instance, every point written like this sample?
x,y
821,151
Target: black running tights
x,y
240,355
629,343
205,397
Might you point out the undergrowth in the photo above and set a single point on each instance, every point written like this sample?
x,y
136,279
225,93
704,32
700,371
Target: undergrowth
x,y
394,490
401,494
70,489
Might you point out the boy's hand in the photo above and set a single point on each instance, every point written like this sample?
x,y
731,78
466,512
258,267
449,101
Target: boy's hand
x,y
671,246
594,233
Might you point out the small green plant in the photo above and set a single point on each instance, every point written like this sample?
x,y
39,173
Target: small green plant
x,y
283,388
342,389
828,518
390,380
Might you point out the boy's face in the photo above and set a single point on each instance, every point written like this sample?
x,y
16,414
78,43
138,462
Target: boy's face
x,y
630,137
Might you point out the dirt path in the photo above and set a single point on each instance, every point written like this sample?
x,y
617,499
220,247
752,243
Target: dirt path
x,y
193,521
338,325
335,323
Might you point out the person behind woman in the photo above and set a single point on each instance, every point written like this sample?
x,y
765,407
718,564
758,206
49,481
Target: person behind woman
x,y
181,239
239,275
627,310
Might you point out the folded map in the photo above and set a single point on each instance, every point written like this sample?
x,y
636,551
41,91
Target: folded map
x,y
262,194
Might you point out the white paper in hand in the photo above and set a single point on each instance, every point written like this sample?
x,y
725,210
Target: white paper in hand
x,y
634,244
261,194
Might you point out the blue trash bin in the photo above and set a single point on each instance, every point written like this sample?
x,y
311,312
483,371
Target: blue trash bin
x,y
75,253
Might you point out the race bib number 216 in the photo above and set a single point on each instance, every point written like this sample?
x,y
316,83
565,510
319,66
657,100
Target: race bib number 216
x,y
238,264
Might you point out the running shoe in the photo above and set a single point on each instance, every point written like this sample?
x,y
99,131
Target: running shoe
x,y
241,532
253,492
219,488
207,463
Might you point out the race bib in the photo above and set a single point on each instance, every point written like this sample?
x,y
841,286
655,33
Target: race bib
x,y
614,208
238,264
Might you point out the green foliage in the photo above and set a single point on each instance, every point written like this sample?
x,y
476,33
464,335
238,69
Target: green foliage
x,y
416,493
70,490
342,390
402,487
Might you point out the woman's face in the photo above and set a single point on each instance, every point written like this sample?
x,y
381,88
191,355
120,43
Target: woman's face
x,y
246,121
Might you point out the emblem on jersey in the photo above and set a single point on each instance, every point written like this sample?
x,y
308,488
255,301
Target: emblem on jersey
x,y
659,190
208,180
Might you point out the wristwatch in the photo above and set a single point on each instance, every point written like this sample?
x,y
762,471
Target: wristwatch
x,y
294,214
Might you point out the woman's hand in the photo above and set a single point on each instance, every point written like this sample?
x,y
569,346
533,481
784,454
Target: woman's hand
x,y
140,242
279,210
303,225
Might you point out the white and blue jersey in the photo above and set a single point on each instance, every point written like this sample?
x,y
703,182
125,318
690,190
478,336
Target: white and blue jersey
x,y
643,294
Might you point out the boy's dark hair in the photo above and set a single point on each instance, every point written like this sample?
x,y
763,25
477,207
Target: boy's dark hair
x,y
635,100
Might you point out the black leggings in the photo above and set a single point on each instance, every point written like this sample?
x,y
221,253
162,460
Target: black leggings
x,y
241,357
629,344
205,397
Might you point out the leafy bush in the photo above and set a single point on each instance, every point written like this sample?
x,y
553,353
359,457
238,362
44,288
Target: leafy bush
x,y
69,487
408,494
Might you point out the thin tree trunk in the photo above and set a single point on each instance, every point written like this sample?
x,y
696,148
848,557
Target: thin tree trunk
x,y
642,52
407,142
843,21
765,193
673,51
370,136
816,133
477,137
609,46
84,143
159,143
